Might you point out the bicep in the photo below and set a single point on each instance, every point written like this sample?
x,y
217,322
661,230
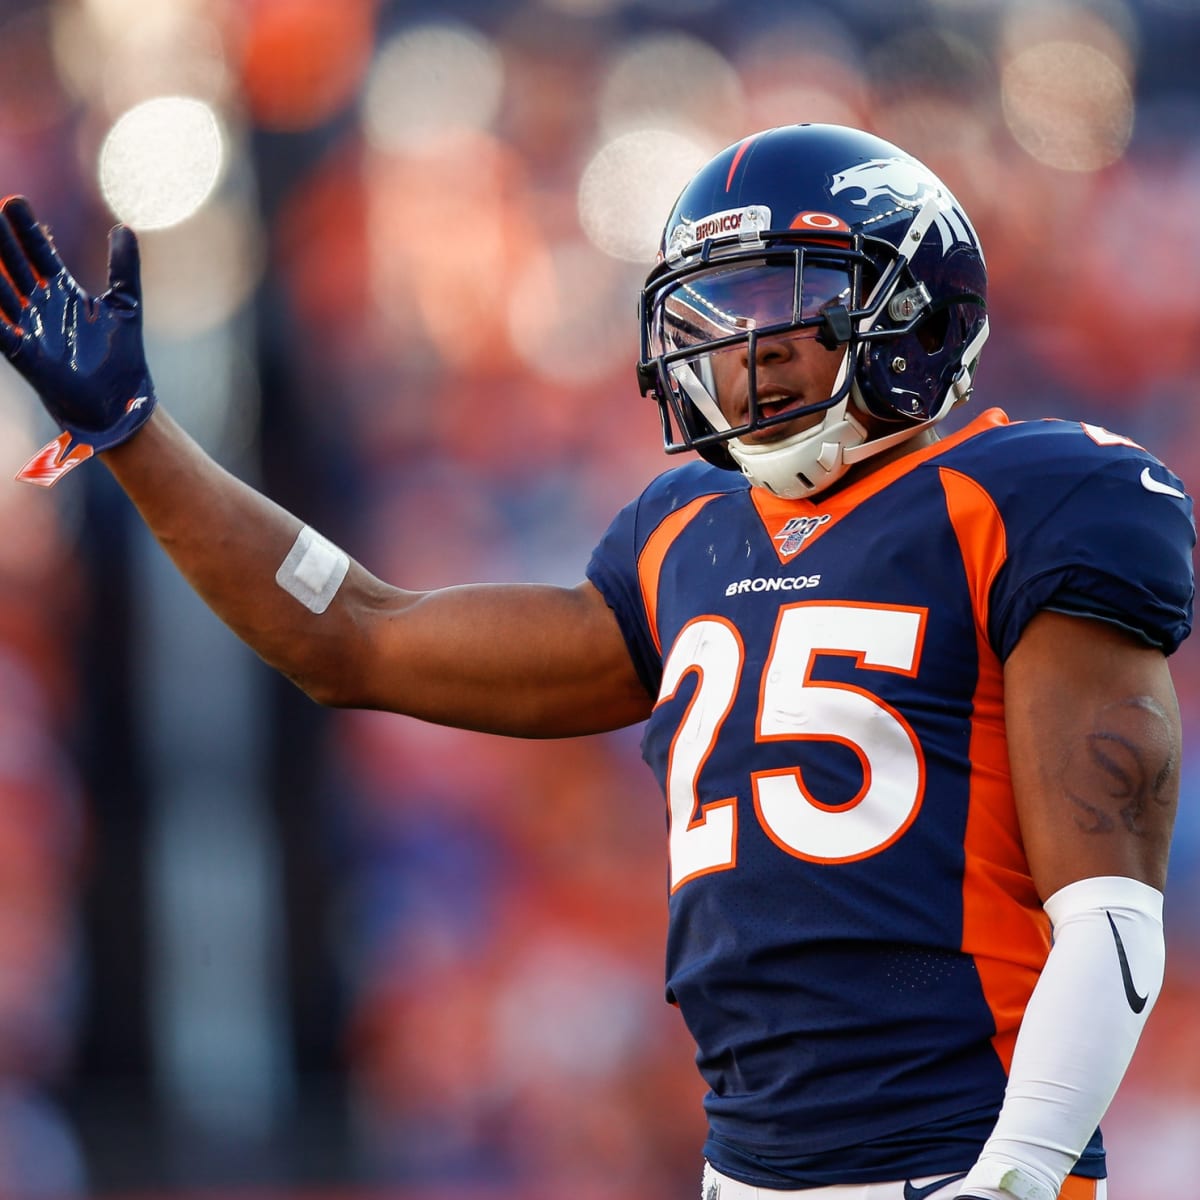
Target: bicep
x,y
1094,746
522,659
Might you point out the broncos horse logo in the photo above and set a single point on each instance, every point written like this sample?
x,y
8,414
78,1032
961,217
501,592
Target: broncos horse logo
x,y
907,183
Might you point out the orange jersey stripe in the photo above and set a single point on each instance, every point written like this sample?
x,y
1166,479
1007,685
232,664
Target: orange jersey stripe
x,y
1004,927
653,553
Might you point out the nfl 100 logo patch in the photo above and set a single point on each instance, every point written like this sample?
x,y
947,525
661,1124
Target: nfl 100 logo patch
x,y
797,531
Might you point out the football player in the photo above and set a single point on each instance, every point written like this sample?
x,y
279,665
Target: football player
x,y
907,695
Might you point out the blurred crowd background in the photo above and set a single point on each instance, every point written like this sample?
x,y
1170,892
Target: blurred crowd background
x,y
391,255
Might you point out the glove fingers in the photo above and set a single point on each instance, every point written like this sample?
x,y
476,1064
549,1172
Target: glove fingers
x,y
10,302
16,266
124,266
10,340
37,254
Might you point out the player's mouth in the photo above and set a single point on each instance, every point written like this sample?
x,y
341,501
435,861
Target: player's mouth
x,y
773,406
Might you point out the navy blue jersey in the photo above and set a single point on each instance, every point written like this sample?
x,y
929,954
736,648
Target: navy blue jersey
x,y
854,933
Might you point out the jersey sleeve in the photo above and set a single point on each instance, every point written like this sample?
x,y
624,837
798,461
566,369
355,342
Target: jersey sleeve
x,y
1113,542
613,571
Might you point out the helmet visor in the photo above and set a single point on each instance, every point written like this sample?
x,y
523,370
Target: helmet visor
x,y
727,302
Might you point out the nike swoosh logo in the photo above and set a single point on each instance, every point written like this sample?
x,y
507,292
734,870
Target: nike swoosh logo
x,y
1136,1002
919,1193
1164,489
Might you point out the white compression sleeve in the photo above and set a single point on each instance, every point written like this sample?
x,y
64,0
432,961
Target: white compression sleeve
x,y
1078,1035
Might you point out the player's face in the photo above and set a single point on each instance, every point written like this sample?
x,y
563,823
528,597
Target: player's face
x,y
791,370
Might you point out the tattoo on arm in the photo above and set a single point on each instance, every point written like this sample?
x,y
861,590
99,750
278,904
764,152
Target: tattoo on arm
x,y
1126,765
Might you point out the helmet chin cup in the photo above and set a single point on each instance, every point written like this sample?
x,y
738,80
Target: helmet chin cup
x,y
809,461
806,463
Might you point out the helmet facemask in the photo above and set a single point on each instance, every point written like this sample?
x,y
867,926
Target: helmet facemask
x,y
707,326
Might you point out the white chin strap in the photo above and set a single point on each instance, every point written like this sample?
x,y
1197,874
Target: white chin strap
x,y
806,463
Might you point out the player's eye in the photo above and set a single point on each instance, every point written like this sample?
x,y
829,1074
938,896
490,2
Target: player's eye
x,y
727,301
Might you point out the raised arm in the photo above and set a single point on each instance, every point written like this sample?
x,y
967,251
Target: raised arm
x,y
524,659
527,660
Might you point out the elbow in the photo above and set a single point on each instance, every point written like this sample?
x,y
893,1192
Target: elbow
x,y
324,677
324,692
330,689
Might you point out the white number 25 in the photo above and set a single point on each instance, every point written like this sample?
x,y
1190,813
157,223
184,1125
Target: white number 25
x,y
794,707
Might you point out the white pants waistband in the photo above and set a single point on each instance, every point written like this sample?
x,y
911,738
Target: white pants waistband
x,y
715,1186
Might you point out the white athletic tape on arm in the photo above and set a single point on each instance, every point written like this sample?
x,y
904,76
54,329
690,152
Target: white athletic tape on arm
x,y
313,570
1079,1032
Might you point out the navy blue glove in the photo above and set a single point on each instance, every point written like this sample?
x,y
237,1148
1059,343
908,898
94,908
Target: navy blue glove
x,y
83,356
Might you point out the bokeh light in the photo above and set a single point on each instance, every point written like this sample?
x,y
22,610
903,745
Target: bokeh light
x,y
671,80
302,61
1108,26
814,74
133,20
161,161
115,54
630,186
186,57
445,288
430,80
1068,105
568,314
196,275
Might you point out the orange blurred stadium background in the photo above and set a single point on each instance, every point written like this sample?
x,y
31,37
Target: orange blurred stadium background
x,y
392,252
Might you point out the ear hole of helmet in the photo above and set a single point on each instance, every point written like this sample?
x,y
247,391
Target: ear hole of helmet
x,y
931,332
907,378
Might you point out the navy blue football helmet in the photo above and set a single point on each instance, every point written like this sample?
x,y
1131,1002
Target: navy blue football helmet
x,y
814,231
